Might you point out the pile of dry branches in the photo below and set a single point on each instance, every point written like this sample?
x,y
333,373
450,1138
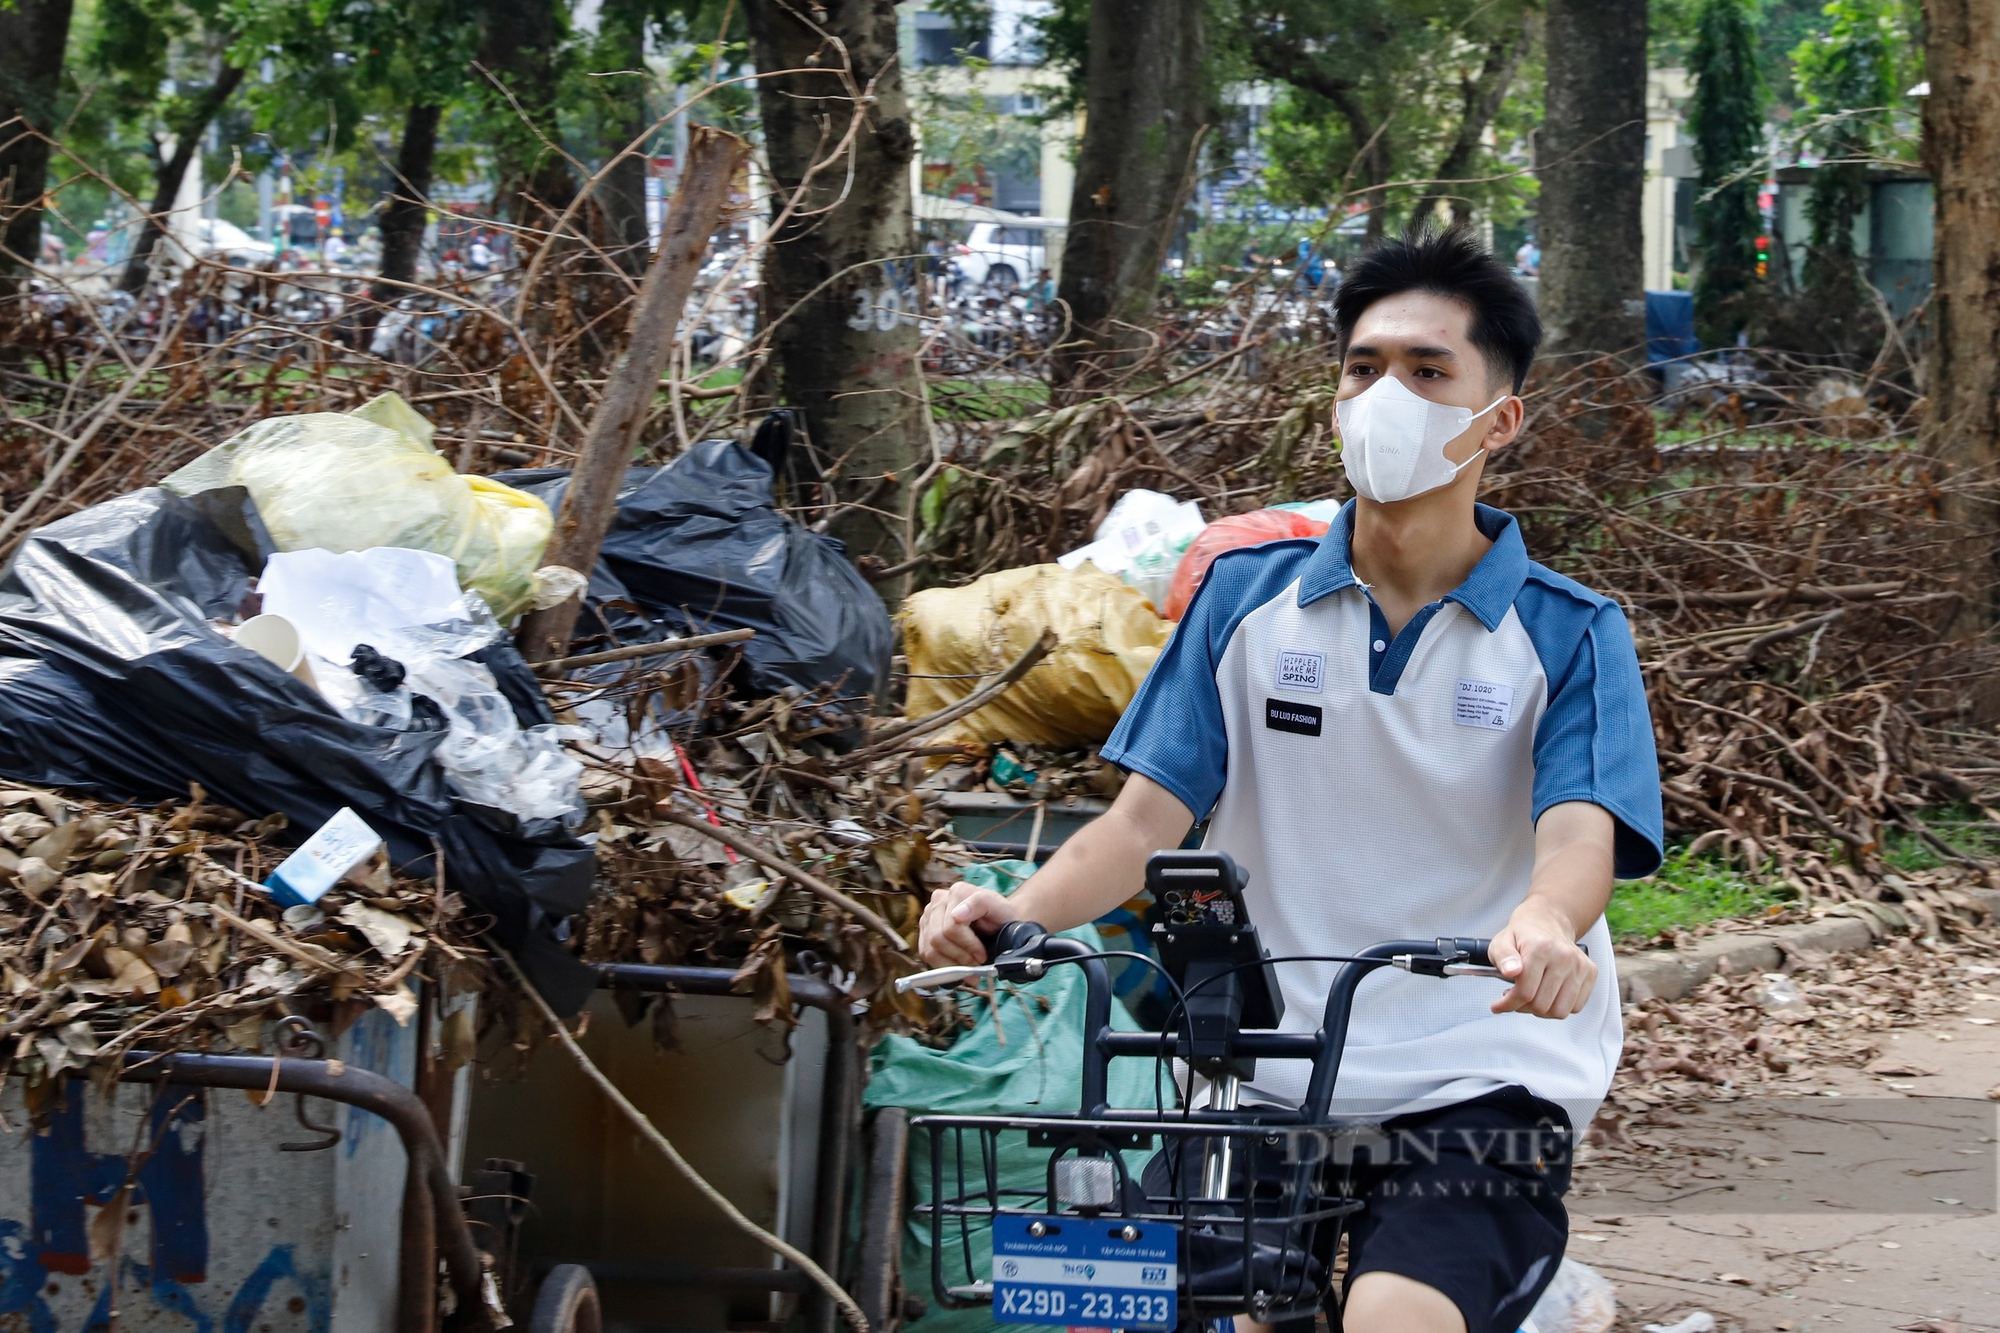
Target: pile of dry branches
x,y
124,928
1799,578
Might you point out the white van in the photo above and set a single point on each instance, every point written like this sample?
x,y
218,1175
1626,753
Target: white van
x,y
1006,256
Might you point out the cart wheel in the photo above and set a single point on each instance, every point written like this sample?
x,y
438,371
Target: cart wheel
x,y
567,1302
875,1285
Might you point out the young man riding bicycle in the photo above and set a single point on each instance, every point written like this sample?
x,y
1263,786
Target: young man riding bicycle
x,y
1405,728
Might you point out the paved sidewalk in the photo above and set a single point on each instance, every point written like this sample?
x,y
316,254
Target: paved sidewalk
x,y
1830,1266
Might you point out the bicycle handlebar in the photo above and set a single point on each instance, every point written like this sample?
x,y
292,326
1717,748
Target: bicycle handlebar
x,y
1023,951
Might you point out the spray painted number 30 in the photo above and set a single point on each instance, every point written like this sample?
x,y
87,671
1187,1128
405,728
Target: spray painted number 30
x,y
881,309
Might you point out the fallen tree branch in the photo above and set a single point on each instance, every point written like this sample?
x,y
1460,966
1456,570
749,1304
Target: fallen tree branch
x,y
318,961
1851,592
865,500
75,447
1748,656
635,650
640,1121
887,737
769,861
592,497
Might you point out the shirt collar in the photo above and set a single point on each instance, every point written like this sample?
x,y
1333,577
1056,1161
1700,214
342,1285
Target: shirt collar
x,y
1487,592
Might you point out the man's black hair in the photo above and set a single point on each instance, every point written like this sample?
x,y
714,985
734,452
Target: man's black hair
x,y
1505,327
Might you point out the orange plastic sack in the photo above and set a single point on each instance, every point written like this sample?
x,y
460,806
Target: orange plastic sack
x,y
1226,534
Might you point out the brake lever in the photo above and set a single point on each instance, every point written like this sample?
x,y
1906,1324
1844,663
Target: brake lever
x,y
1011,950
939,978
1009,967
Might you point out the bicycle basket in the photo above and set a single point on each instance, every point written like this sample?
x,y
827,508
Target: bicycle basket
x,y
1131,1224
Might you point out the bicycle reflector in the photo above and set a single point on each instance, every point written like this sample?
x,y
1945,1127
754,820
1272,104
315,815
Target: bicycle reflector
x,y
1086,1183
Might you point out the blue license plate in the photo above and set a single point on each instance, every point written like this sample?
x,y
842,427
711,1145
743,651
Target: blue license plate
x,y
1085,1272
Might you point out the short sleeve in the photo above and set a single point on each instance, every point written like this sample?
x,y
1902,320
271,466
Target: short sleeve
x,y
1173,732
1595,743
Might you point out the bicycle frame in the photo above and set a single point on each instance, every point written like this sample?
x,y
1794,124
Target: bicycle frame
x,y
1272,1226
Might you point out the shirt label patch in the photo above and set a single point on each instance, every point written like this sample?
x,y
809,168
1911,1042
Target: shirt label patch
x,y
1299,719
1483,704
1300,671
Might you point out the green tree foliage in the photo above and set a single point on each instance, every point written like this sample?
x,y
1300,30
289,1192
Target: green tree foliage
x,y
1780,26
1384,97
1848,76
138,69
1726,117
976,136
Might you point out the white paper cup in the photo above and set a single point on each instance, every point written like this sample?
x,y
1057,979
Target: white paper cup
x,y
276,640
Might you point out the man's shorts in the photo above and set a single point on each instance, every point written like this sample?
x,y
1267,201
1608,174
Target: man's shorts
x,y
1465,1198
1468,1199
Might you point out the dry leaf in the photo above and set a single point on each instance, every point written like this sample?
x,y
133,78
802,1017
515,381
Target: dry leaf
x,y
136,977
246,1034
55,847
95,884
18,828
458,1040
400,1004
107,1227
36,875
389,933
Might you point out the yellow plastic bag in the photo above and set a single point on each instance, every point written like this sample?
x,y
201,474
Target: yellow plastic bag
x,y
1108,636
348,481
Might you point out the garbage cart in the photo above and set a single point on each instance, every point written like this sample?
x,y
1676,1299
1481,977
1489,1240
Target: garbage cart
x,y
326,1209
769,1116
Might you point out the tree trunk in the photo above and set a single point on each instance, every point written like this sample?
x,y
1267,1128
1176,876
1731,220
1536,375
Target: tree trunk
x,y
622,195
841,273
33,34
1145,102
519,45
1480,99
591,500
1962,150
1592,155
167,179
404,219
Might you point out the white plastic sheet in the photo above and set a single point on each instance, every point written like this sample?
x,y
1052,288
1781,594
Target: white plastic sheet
x,y
1141,541
407,606
1579,1300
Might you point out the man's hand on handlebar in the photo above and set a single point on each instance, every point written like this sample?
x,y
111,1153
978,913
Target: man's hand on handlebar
x,y
1537,952
954,920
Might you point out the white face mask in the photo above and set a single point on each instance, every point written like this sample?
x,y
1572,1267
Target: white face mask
x,y
1392,441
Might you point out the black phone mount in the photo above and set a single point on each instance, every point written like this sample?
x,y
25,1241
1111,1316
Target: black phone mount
x,y
1210,949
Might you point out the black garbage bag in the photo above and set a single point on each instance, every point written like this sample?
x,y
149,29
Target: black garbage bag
x,y
113,683
699,546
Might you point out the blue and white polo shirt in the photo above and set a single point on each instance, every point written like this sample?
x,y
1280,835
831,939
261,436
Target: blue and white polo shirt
x,y
1387,788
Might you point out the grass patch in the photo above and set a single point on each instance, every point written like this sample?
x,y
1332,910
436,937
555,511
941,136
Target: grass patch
x,y
1687,891
1963,828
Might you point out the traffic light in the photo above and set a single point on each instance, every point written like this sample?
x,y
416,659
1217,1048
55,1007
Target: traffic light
x,y
1763,255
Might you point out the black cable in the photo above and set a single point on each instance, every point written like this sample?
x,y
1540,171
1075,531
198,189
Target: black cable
x,y
1180,1005
1187,1110
1162,1058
